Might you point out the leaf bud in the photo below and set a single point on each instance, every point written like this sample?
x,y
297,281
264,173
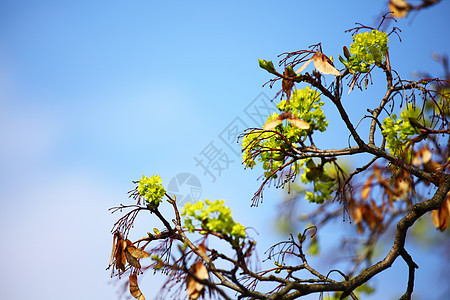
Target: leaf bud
x,y
342,60
269,67
346,52
262,63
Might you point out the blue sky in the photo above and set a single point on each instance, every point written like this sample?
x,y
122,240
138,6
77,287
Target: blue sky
x,y
93,94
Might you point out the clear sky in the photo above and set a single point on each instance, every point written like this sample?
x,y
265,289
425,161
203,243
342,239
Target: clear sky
x,y
93,94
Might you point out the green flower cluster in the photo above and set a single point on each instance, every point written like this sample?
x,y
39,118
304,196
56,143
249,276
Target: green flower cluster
x,y
151,190
399,131
304,104
266,143
213,217
322,182
367,48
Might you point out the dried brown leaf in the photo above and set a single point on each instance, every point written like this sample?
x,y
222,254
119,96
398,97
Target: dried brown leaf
x,y
399,8
324,65
120,259
426,155
300,124
416,159
372,217
272,124
202,248
357,214
440,217
136,252
287,85
132,260
367,187
195,288
400,3
134,288
403,189
305,65
290,117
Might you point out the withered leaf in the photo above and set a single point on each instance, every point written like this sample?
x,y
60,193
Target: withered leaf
x,y
426,155
402,189
272,124
136,252
416,161
121,261
287,84
300,124
357,214
440,217
372,216
195,288
290,117
305,65
202,248
134,288
119,253
132,260
324,65
366,188
399,8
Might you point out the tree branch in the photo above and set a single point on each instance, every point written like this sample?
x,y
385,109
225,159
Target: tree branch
x,y
412,267
403,225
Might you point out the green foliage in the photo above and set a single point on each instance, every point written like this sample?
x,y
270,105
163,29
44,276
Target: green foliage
x,y
322,182
270,147
213,217
305,104
398,132
367,48
151,190
286,146
267,144
313,248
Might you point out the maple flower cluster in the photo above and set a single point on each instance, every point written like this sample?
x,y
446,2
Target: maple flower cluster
x,y
398,132
213,217
304,104
151,190
367,48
